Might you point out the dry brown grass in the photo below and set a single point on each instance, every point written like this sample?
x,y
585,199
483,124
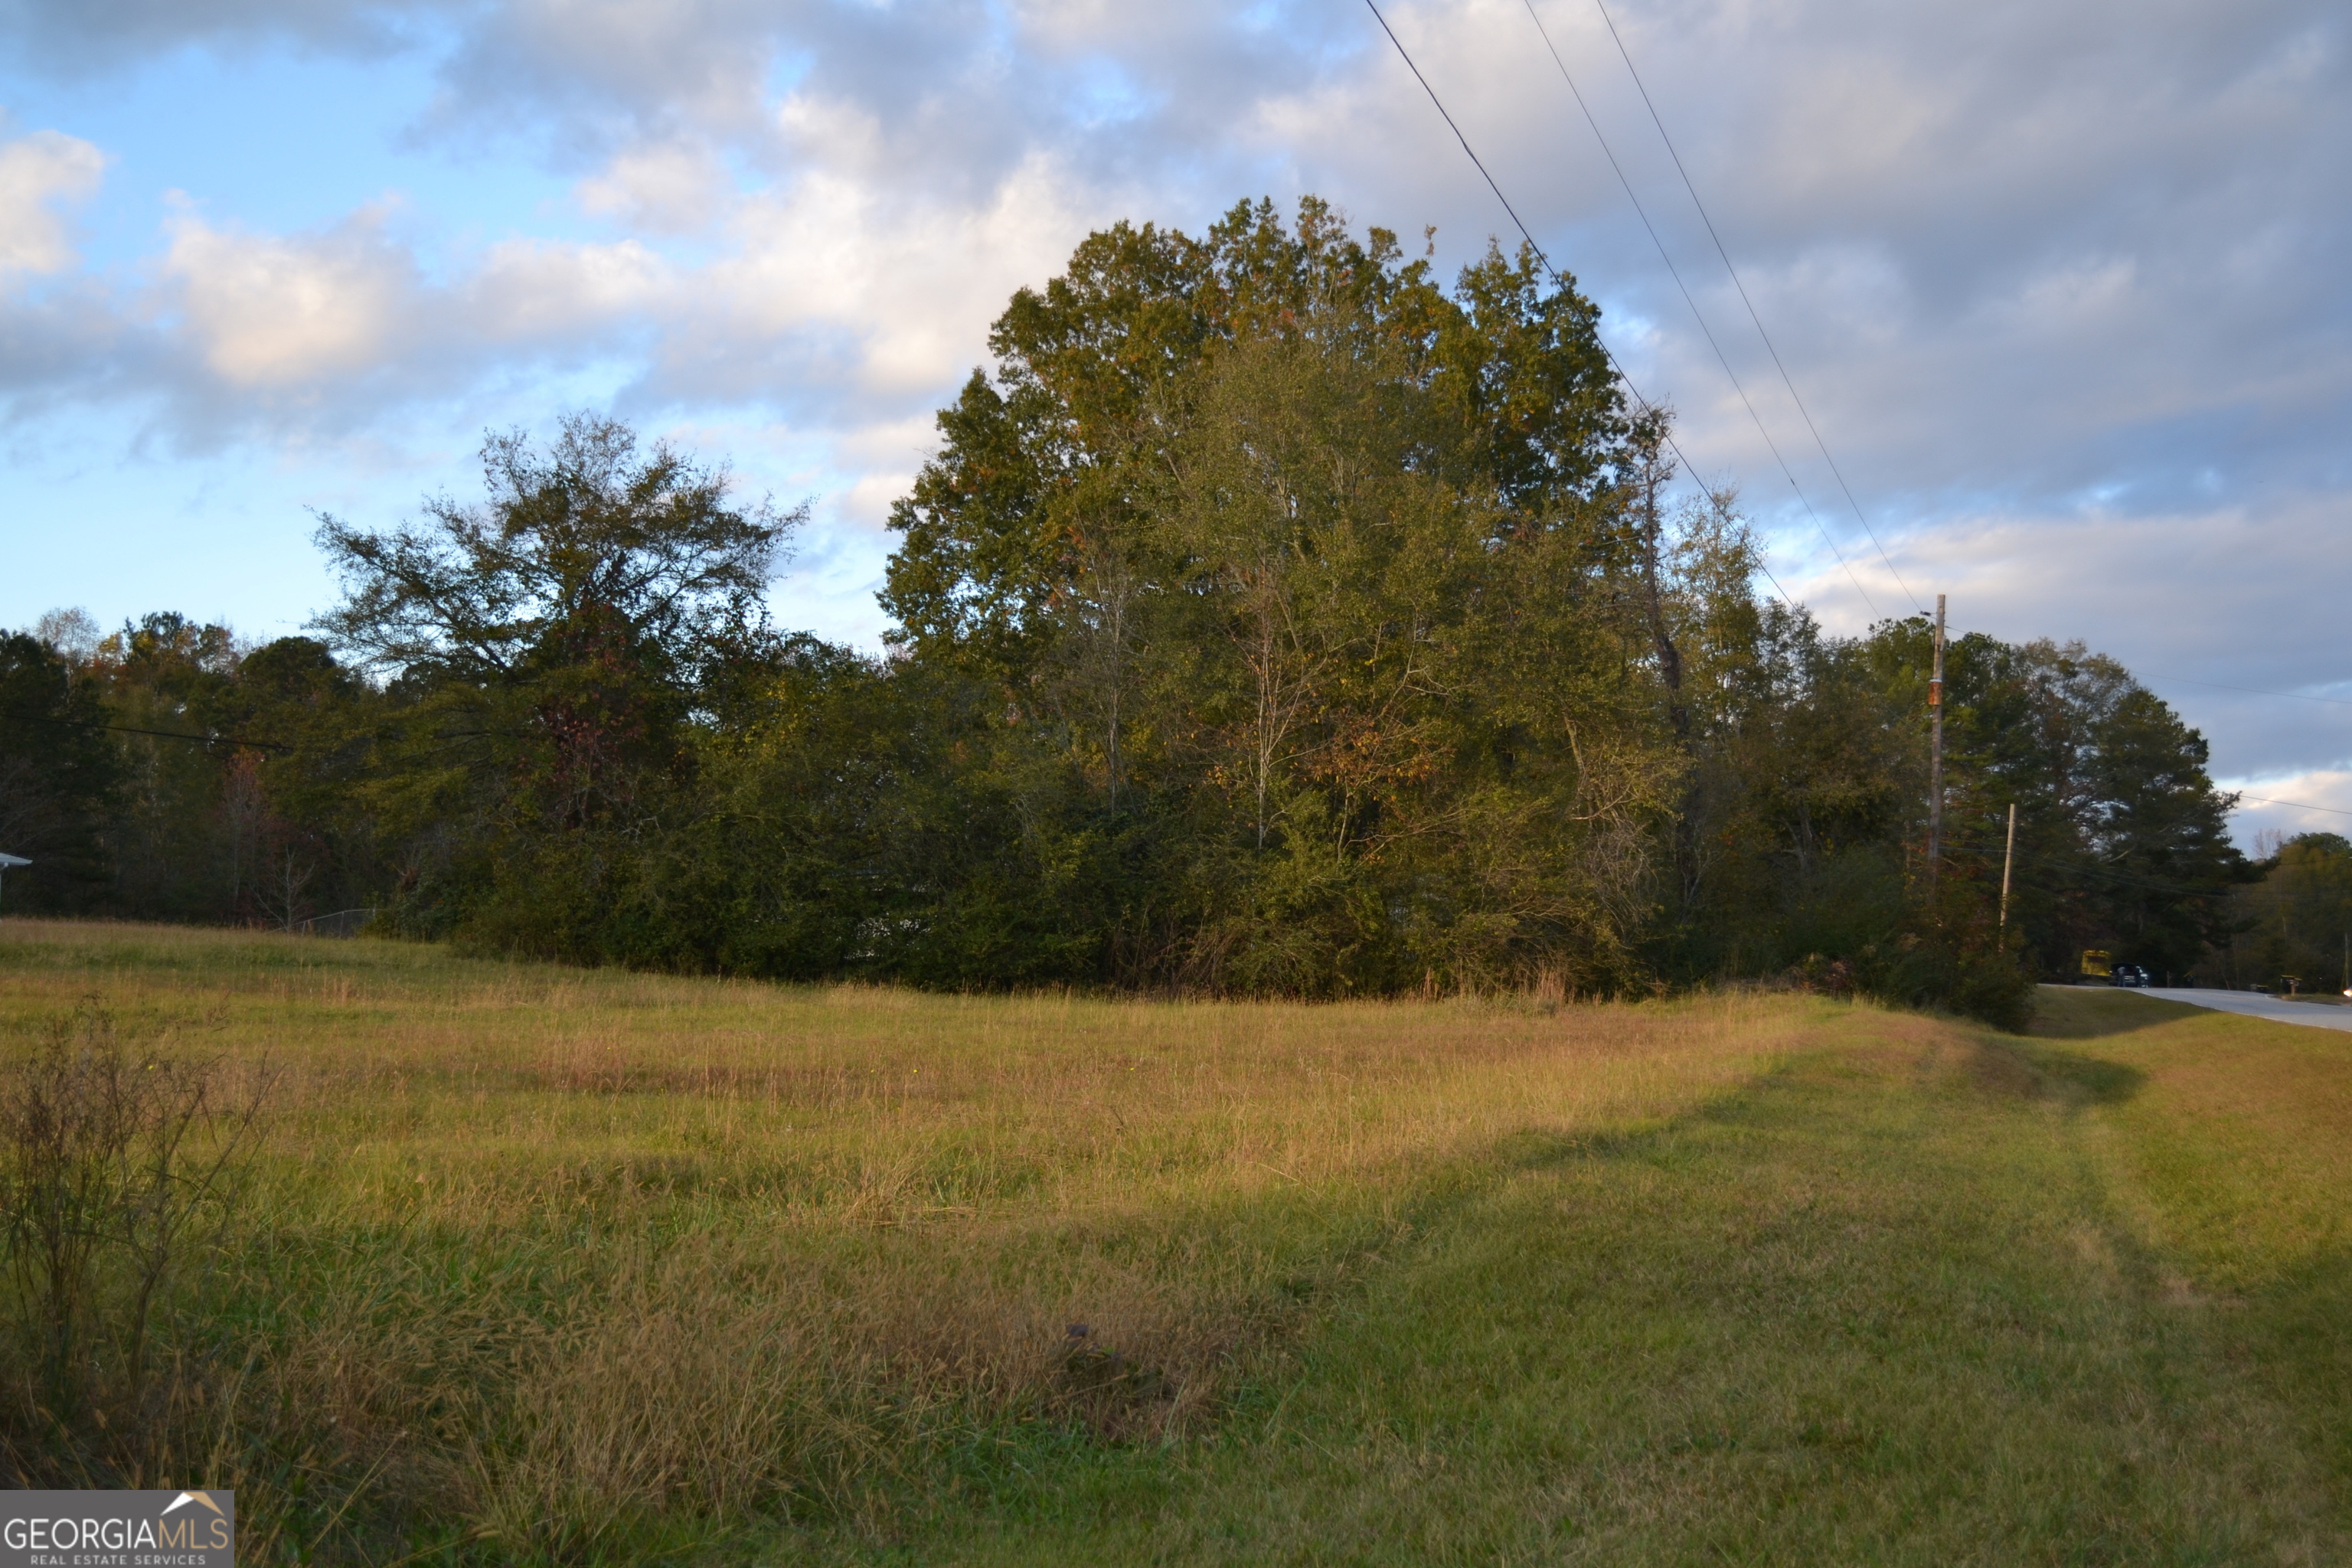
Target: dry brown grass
x,y
545,1251
554,1266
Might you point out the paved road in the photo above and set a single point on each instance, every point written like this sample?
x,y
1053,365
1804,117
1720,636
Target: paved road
x,y
2318,1015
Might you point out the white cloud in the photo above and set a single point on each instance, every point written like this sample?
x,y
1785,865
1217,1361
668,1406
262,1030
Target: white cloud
x,y
2209,607
268,311
908,283
77,39
673,187
39,173
2015,256
2279,806
532,291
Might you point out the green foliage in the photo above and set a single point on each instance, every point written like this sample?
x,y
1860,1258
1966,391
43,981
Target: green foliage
x,y
1273,619
60,778
2294,923
1805,840
237,772
118,1167
551,1266
582,549
181,841
1039,464
2122,841
1312,596
549,651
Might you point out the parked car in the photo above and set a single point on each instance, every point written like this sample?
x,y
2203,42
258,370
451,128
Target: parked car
x,y
2128,974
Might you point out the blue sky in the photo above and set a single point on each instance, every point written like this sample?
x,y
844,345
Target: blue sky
x,y
2067,290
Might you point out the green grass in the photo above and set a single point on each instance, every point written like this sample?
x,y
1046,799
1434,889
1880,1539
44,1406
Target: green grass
x,y
563,1266
1928,1298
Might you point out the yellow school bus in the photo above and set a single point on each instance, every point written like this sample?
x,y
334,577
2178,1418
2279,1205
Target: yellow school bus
x,y
2096,963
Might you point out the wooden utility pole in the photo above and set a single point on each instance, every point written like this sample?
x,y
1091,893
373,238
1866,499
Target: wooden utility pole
x,y
1936,754
2007,857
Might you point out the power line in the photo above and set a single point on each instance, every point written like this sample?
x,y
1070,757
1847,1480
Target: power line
x,y
2297,804
2050,868
1529,235
1700,317
1786,380
2292,805
163,735
2249,691
1525,232
1691,188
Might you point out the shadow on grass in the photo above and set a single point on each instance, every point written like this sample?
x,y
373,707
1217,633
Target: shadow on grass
x,y
2090,1013
1723,1210
2008,1067
2089,1080
2292,1335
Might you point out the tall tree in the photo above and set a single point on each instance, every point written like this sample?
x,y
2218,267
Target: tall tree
x,y
1038,460
1326,581
60,775
2296,925
174,839
548,649
2160,837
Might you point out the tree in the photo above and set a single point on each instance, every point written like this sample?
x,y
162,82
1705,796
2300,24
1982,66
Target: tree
x,y
2296,921
1316,589
548,650
2160,835
583,538
179,839
59,775
1039,461
1273,618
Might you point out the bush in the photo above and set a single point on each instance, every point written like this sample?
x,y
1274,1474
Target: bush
x,y
119,1168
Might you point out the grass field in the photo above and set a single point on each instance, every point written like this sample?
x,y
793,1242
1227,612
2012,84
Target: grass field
x,y
540,1264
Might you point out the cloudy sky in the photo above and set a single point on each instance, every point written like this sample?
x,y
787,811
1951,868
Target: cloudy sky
x,y
2067,289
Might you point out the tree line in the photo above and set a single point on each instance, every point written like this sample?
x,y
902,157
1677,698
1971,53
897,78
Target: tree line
x,y
2294,929
1271,618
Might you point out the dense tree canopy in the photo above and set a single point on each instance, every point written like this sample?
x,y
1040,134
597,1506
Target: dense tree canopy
x,y
549,653
59,773
1501,387
2293,929
1271,618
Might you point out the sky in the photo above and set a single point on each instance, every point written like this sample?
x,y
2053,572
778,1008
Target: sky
x,y
2066,291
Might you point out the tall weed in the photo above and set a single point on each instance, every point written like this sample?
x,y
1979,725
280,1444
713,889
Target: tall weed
x,y
120,1170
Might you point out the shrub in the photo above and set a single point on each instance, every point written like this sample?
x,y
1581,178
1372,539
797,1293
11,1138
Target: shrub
x,y
119,1168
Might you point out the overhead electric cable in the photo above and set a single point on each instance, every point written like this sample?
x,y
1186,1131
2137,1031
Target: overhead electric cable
x,y
30,719
2249,691
2033,872
2294,804
1529,235
1700,317
2297,804
1786,380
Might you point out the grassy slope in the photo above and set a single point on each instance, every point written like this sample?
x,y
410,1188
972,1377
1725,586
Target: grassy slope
x,y
576,1264
1920,1296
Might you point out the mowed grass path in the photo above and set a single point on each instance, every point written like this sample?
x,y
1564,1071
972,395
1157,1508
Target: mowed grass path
x,y
557,1266
1919,1295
